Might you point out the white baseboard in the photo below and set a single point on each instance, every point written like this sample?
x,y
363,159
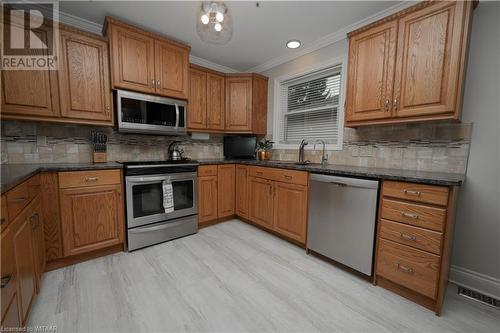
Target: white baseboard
x,y
476,281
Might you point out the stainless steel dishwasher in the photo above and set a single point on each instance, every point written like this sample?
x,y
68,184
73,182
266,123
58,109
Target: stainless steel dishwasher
x,y
342,214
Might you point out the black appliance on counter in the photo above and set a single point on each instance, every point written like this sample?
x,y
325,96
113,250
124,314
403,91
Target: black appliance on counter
x,y
239,146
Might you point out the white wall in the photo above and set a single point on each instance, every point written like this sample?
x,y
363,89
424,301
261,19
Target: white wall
x,y
476,254
477,231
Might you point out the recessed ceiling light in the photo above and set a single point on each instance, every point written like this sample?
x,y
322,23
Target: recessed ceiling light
x,y
293,44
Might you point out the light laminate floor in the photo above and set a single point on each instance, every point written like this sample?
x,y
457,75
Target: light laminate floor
x,y
234,277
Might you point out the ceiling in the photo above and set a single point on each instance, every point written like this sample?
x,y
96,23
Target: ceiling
x,y
260,33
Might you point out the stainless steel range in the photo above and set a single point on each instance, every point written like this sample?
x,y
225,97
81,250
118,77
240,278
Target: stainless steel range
x,y
161,201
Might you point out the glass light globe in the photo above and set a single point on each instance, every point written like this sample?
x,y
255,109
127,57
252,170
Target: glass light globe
x,y
218,27
219,17
205,19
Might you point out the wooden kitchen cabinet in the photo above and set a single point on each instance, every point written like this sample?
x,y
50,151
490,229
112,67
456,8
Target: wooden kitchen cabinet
x,y
216,93
146,62
260,193
9,303
290,210
424,49
241,189
84,77
226,183
36,220
91,217
197,116
246,103
207,198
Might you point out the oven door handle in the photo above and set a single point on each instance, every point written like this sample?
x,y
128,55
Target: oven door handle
x,y
176,115
155,228
146,179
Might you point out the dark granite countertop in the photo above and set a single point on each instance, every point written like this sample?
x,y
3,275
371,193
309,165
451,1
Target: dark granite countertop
x,y
14,174
425,177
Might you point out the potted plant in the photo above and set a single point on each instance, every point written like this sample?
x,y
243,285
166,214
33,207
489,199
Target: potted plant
x,y
264,147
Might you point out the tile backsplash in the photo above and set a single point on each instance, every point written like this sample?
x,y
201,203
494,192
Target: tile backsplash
x,y
37,142
437,147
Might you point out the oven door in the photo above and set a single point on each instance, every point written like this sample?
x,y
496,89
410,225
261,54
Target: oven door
x,y
145,198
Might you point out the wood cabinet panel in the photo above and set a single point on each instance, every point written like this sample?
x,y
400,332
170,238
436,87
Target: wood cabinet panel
x,y
239,104
171,69
216,92
91,218
281,175
17,199
259,105
290,210
132,59
371,68
36,221
428,60
411,268
207,170
4,216
432,194
241,197
8,270
84,78
197,115
51,216
207,198
414,214
89,178
419,238
225,190
31,93
10,319
261,202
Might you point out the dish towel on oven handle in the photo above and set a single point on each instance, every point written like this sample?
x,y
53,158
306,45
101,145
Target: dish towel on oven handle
x,y
168,196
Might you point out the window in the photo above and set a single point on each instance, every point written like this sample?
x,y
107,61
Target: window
x,y
309,108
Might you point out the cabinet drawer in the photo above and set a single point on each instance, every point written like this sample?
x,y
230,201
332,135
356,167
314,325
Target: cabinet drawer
x,y
89,178
423,239
437,195
411,268
418,215
207,170
17,199
281,175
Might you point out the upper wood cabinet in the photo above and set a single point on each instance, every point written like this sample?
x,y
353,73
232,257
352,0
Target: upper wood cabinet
x,y
410,66
216,93
84,78
146,62
226,183
246,103
197,105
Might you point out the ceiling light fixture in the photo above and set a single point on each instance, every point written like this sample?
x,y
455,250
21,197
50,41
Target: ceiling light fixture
x,y
214,23
293,44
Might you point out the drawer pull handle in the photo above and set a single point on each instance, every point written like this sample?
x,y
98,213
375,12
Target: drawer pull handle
x,y
258,173
288,177
409,215
404,269
407,237
21,199
5,280
413,193
91,179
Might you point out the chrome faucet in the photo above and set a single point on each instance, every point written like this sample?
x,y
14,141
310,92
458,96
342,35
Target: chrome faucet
x,y
324,157
303,143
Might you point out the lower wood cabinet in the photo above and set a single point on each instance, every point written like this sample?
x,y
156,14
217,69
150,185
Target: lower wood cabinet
x,y
216,191
260,194
9,303
92,218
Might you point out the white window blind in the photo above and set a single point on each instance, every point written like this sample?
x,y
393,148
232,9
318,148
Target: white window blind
x,y
310,107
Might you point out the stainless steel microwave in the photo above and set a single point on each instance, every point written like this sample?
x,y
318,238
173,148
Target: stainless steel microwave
x,y
148,114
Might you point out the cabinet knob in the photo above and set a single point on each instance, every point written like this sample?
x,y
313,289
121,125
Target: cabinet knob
x,y
91,179
396,104
387,105
158,83
153,83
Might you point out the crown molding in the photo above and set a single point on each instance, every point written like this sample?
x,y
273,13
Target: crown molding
x,y
211,65
331,38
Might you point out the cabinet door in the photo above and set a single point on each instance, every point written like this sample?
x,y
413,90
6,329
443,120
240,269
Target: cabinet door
x,y
36,220
259,105
11,317
290,210
25,264
91,218
225,190
260,194
8,271
84,78
370,73
30,93
207,198
132,60
239,104
197,110
171,68
241,198
430,59
215,101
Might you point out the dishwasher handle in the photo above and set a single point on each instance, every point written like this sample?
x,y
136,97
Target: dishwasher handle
x,y
345,181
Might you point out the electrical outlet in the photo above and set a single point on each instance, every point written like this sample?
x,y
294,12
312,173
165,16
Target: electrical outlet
x,y
355,151
41,140
366,151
